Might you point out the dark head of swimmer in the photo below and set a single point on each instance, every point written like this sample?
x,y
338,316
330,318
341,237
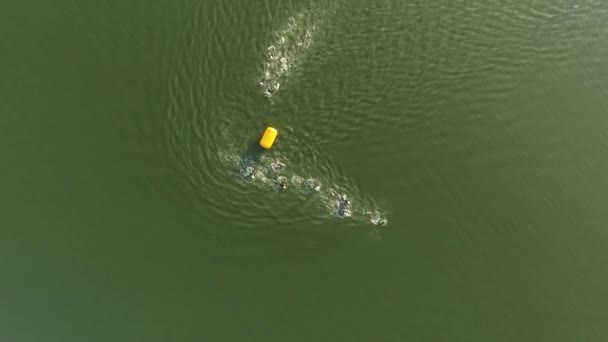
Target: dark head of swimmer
x,y
344,201
282,184
343,206
249,173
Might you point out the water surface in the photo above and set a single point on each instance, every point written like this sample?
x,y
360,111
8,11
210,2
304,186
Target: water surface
x,y
477,129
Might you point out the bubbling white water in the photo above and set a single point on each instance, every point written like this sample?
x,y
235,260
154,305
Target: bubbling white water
x,y
275,175
287,50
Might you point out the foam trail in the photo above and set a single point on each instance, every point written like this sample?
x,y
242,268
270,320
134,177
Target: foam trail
x,y
270,172
273,172
289,47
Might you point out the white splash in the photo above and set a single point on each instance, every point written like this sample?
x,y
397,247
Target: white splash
x,y
289,47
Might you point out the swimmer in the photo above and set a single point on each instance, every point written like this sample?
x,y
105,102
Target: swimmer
x,y
266,78
344,206
282,183
272,52
376,218
277,165
249,173
313,185
344,212
271,89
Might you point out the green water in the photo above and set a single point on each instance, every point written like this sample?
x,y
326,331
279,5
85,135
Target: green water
x,y
477,129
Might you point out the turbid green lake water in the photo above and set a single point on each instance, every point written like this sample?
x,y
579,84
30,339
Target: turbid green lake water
x,y
468,136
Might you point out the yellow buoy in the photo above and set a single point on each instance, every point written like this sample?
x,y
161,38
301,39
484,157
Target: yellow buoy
x,y
268,138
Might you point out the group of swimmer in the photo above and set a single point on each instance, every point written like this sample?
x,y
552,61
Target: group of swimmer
x,y
343,206
277,166
269,85
281,183
279,59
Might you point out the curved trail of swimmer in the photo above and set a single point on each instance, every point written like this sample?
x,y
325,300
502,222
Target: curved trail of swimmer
x,y
202,140
291,44
317,182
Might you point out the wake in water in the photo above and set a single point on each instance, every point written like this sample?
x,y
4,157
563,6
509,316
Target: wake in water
x,y
287,50
273,174
202,141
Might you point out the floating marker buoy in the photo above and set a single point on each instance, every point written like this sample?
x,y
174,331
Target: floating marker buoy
x,y
268,138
